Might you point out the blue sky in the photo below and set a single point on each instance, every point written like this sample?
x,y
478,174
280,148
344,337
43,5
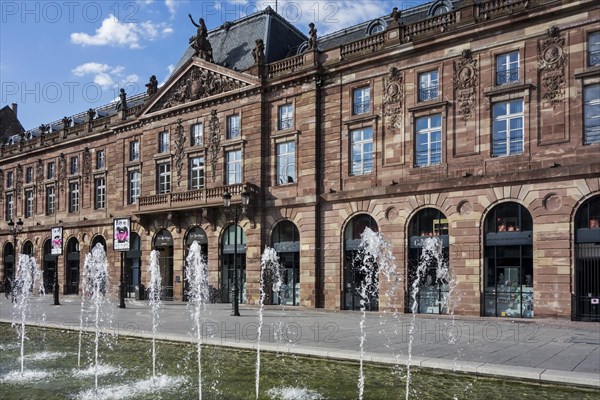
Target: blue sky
x,y
59,58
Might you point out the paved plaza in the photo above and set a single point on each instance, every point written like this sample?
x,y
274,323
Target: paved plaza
x,y
541,350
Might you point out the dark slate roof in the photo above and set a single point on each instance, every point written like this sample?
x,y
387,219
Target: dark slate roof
x,y
360,31
232,42
9,123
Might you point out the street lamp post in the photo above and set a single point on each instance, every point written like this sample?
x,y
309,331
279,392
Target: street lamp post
x,y
14,229
236,212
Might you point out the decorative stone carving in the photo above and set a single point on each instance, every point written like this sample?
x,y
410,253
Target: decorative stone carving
x,y
1,185
312,37
392,214
395,17
152,86
196,84
179,143
465,207
66,121
214,141
62,172
200,43
552,202
465,84
87,165
259,52
552,58
19,181
39,174
91,114
44,129
393,99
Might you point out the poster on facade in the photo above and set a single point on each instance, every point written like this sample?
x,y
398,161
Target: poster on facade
x,y
121,229
56,237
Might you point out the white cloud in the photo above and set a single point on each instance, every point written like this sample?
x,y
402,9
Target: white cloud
x,y
171,68
104,75
113,32
172,6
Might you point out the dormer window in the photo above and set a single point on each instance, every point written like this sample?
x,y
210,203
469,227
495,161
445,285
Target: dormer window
x,y
376,29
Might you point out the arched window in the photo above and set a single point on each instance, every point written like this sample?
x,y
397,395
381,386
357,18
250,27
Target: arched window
x,y
133,263
163,242
28,248
8,258
195,234
286,242
72,269
508,257
98,239
432,296
587,261
233,254
440,7
353,273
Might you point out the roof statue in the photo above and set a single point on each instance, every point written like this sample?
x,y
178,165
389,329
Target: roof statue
x,y
312,39
152,85
200,43
259,52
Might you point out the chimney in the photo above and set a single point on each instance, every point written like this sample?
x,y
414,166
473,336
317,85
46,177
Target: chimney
x,y
14,108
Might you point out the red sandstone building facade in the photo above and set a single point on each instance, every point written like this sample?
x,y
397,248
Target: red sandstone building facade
x,y
478,123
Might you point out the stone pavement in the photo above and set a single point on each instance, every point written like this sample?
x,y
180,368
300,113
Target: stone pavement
x,y
541,350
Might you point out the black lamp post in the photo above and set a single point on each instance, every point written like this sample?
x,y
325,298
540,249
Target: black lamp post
x,y
236,212
14,230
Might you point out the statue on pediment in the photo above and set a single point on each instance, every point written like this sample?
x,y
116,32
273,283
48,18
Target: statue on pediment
x,y
312,37
259,52
200,43
152,86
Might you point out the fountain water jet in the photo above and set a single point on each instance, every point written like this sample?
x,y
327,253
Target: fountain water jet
x,y
155,302
269,263
375,257
28,281
95,284
198,296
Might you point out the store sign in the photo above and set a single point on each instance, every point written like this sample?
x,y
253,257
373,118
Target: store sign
x,y
197,235
164,238
121,234
56,237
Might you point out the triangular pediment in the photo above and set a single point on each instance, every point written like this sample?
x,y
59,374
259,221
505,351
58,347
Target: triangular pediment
x,y
196,81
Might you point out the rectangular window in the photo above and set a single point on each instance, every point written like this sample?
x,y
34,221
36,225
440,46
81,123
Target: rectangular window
x,y
362,151
50,170
100,159
285,117
507,68
233,126
507,132
10,179
233,169
428,140
134,178
73,196
196,173
286,162
28,203
196,135
99,193
591,114
164,178
594,49
163,142
428,86
134,150
50,200
29,175
361,102
10,207
74,165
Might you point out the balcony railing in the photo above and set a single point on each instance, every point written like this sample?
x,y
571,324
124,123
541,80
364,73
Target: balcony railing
x,y
198,197
369,44
428,93
287,65
594,58
489,9
361,108
436,24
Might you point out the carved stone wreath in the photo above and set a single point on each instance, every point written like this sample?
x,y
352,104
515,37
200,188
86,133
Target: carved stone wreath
x,y
62,172
465,84
179,143
196,84
552,58
19,181
1,185
393,98
214,141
